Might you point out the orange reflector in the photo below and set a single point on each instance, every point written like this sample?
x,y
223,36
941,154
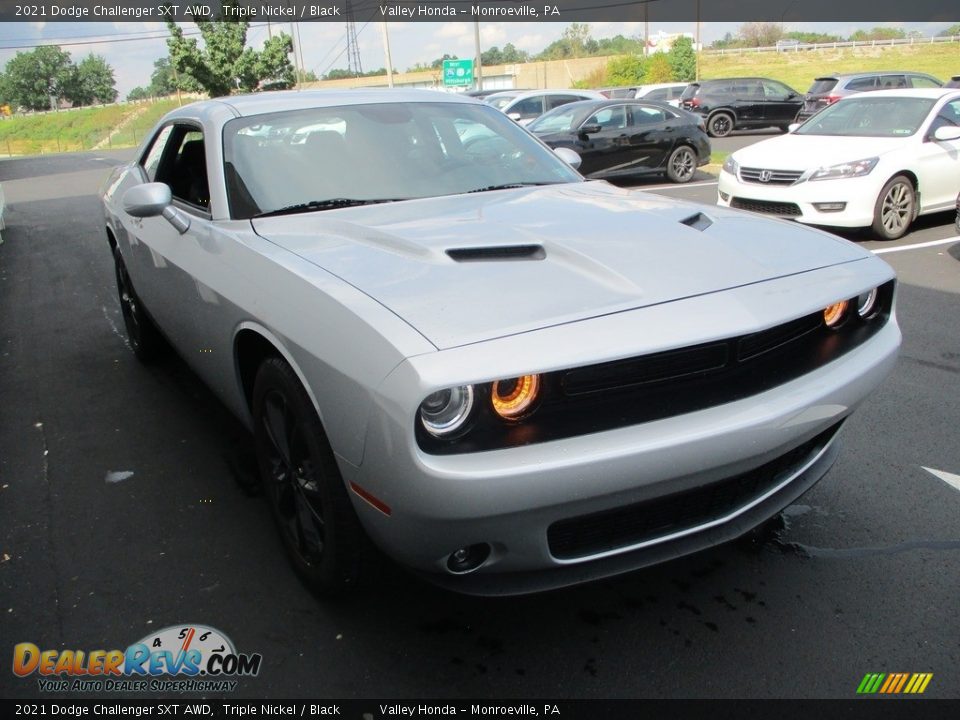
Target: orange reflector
x,y
833,314
371,499
512,398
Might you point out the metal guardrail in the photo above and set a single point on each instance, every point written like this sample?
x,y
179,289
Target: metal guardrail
x,y
802,47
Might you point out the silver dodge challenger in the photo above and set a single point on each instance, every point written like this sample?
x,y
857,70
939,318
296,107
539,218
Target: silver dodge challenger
x,y
447,342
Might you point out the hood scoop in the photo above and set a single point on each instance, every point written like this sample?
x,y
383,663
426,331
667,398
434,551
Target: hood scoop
x,y
498,253
698,221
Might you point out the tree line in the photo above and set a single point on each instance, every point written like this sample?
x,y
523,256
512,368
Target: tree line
x,y
46,77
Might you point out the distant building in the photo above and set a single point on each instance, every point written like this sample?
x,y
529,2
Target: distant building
x,y
662,42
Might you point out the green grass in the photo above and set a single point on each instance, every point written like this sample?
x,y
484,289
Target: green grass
x,y
799,69
73,130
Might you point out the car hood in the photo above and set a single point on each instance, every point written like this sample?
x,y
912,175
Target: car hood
x,y
602,250
802,152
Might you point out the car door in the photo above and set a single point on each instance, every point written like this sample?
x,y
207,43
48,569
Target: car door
x,y
602,140
780,103
155,252
749,103
651,135
939,161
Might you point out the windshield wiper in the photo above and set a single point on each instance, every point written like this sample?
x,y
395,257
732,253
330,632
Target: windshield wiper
x,y
328,204
510,186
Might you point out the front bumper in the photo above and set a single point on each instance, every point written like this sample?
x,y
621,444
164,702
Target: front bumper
x,y
510,499
799,202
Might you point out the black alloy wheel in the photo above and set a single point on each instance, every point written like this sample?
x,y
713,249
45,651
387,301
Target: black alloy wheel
x,y
720,125
145,339
302,482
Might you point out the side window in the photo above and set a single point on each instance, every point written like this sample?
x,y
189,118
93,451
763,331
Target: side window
x,y
949,116
864,83
643,115
150,161
659,94
919,81
554,101
774,90
185,171
609,118
893,81
530,108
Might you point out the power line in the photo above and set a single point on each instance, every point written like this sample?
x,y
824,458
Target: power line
x,y
106,40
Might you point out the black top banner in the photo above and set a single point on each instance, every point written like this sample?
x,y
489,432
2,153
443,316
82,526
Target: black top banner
x,y
480,10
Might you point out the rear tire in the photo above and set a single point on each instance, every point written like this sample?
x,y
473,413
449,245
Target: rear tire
x,y
145,339
682,164
720,125
318,525
895,209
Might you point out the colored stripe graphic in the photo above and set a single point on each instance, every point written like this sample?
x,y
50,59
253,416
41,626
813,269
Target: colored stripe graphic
x,y
894,683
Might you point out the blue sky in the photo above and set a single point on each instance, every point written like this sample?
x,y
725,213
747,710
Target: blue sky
x,y
324,43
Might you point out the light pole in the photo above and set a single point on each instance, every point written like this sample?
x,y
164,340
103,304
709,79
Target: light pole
x,y
386,52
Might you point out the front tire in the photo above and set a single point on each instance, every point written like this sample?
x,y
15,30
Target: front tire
x,y
720,125
145,339
682,164
317,523
895,208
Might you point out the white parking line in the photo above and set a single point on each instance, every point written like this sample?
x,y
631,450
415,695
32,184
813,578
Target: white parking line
x,y
917,246
949,478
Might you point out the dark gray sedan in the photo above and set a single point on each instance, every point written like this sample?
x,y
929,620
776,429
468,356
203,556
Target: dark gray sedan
x,y
617,138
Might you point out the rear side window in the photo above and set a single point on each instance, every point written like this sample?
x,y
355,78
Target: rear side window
x,y
660,94
648,115
919,81
893,81
864,83
555,101
530,108
821,86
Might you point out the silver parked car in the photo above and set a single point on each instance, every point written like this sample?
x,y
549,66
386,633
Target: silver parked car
x,y
444,340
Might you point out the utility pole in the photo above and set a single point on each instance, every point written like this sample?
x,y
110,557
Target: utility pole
x,y
386,52
477,64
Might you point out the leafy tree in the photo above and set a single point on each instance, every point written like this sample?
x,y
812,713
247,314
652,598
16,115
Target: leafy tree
x,y
658,69
813,37
950,31
574,43
162,80
224,64
438,63
626,70
619,45
879,33
760,34
139,93
683,60
92,82
37,80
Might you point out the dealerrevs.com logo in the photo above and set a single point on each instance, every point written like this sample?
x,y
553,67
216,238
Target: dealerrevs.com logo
x,y
179,658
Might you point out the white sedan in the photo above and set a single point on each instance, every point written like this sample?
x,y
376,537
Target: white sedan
x,y
874,160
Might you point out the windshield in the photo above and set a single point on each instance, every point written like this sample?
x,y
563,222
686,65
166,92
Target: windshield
x,y
378,152
562,119
858,116
500,101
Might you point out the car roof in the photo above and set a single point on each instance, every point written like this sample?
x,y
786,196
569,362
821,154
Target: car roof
x,y
530,93
870,73
280,101
933,93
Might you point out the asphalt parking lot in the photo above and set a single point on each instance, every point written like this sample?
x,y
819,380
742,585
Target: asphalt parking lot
x,y
120,515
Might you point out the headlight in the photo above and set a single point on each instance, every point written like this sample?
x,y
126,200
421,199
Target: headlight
x,y
731,166
833,314
858,168
867,304
514,398
445,411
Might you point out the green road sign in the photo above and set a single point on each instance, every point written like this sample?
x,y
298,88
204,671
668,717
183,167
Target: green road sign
x,y
457,73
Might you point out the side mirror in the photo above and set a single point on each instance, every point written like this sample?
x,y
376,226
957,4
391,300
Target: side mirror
x,y
590,129
947,132
570,157
793,126
151,200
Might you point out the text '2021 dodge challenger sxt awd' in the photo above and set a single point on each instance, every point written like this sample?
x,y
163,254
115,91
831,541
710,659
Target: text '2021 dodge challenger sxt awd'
x,y
447,342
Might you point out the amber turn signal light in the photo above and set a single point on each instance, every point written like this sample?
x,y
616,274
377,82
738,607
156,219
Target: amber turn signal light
x,y
514,398
833,314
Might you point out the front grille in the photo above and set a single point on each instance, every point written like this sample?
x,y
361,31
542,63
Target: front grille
x,y
776,177
644,521
768,207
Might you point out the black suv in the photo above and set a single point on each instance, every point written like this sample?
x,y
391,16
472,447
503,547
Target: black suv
x,y
738,103
828,89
